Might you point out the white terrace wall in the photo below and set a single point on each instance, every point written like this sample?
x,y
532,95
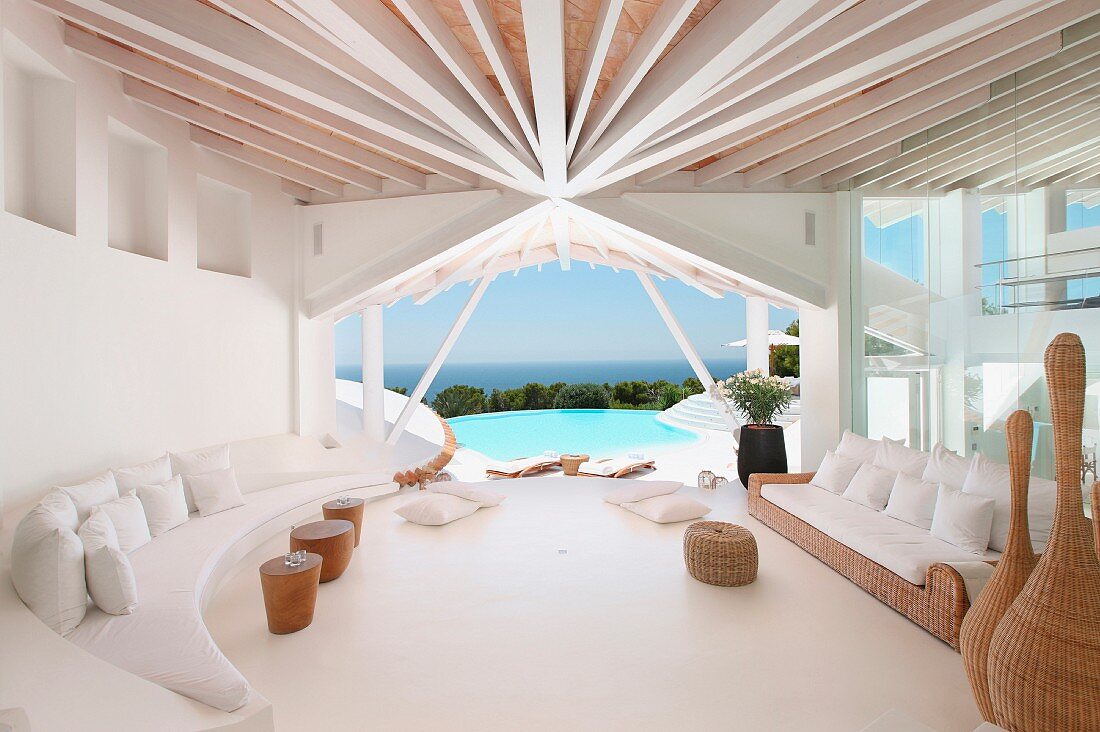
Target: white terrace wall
x,y
111,357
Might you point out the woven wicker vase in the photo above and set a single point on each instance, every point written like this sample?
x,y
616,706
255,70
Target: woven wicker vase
x,y
1012,570
1044,657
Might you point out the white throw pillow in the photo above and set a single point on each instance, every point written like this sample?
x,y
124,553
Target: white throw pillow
x,y
484,499
215,491
111,580
993,480
436,509
858,447
668,509
165,505
153,472
128,518
47,569
197,462
963,519
62,507
901,459
835,473
913,501
87,496
871,486
946,467
639,490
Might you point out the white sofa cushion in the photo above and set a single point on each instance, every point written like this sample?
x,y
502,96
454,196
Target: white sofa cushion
x,y
901,459
128,518
835,473
196,462
436,509
108,571
946,467
668,509
857,447
90,494
153,472
993,480
483,498
871,486
905,550
639,490
47,567
165,505
913,501
963,519
62,507
215,491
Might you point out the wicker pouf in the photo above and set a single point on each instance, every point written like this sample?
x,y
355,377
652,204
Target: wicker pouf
x,y
570,464
720,554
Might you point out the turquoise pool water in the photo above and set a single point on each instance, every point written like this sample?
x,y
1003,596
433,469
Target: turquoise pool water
x,y
597,432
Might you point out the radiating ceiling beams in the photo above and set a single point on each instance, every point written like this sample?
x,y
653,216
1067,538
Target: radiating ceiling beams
x,y
544,29
603,31
264,161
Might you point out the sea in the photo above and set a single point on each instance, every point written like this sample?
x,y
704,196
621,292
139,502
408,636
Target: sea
x,y
491,376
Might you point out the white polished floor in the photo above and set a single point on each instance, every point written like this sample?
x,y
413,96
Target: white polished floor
x,y
557,611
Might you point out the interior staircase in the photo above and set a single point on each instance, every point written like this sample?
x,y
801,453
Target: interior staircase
x,y
700,412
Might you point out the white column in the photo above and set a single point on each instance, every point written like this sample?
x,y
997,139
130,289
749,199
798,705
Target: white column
x,y
756,334
374,410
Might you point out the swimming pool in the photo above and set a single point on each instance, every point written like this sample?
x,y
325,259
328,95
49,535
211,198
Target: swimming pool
x,y
597,432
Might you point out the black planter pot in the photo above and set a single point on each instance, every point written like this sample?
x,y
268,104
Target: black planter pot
x,y
761,450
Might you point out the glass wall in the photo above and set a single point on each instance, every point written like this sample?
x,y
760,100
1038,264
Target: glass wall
x,y
972,248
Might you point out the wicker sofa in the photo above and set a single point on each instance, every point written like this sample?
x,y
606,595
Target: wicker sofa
x,y
938,606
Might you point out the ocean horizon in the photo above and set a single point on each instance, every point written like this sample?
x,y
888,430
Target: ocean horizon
x,y
489,376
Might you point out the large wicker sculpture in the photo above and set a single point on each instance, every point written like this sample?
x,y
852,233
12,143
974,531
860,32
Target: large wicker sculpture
x,y
1013,569
1044,658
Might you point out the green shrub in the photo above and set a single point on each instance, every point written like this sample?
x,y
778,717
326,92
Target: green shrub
x,y
582,396
508,400
536,396
692,385
784,359
458,400
630,392
670,397
402,390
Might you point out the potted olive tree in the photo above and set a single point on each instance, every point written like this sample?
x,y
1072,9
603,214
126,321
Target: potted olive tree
x,y
760,398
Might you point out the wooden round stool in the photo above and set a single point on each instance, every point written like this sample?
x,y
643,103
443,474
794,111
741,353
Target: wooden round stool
x,y
720,554
290,593
570,464
333,540
351,511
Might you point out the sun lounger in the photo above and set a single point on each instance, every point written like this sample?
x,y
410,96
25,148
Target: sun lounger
x,y
614,467
520,467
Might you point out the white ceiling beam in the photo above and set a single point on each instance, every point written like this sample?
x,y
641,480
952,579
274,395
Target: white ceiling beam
x,y
372,32
246,133
431,26
1082,163
488,35
664,24
850,170
544,29
296,190
559,222
1074,152
662,264
1020,163
599,43
264,161
597,241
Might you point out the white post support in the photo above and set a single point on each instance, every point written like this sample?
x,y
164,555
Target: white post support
x,y
437,361
756,334
690,353
374,404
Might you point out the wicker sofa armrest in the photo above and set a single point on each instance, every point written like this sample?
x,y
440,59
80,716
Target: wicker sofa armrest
x,y
758,480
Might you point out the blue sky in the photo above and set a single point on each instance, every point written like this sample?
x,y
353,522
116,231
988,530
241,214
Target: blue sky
x,y
579,315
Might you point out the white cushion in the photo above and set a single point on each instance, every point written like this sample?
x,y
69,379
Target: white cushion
x,y
835,473
668,509
963,519
153,472
483,498
62,507
901,459
436,509
639,490
905,550
993,480
87,496
913,501
47,569
165,505
946,467
199,461
871,486
128,518
857,447
215,491
110,577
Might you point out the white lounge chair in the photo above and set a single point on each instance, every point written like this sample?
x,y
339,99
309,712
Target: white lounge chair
x,y
614,467
520,467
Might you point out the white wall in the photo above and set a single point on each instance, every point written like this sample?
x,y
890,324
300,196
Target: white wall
x,y
110,357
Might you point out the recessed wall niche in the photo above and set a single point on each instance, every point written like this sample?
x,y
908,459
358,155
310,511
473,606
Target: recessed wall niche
x,y
137,193
39,139
224,228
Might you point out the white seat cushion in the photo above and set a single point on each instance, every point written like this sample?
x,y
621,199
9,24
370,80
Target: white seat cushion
x,y
639,490
668,509
483,498
905,550
436,509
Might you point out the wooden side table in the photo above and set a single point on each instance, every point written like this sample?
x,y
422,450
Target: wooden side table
x,y
570,464
334,540
290,593
351,511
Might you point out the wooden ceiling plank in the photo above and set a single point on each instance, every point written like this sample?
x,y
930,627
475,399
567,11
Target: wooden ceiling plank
x,y
264,161
598,45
